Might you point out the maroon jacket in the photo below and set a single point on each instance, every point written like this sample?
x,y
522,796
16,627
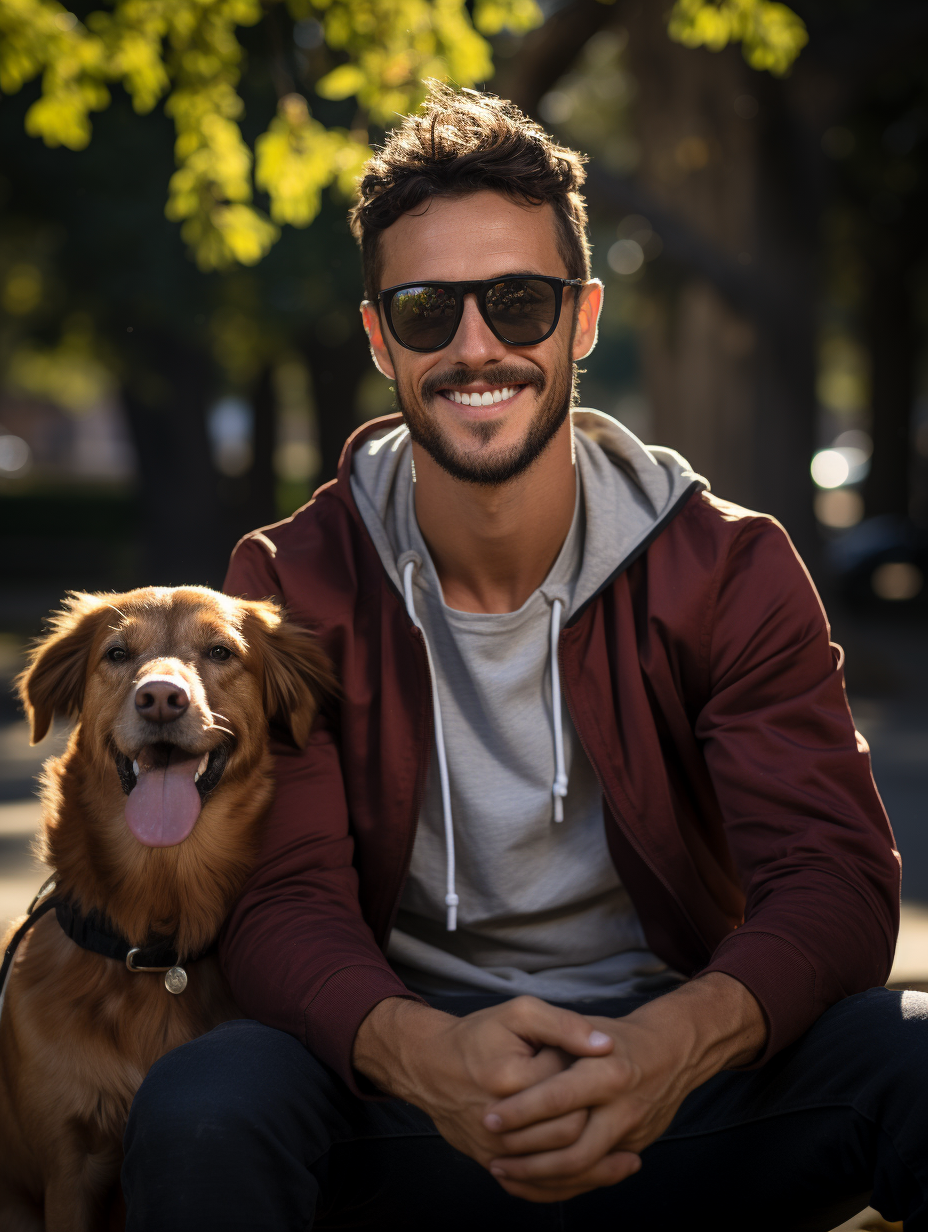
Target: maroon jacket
x,y
739,806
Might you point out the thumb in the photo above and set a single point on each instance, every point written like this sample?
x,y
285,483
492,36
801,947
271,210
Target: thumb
x,y
539,1023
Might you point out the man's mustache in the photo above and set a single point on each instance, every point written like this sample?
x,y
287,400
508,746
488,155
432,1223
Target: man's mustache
x,y
502,374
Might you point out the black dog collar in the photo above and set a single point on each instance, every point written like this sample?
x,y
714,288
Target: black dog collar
x,y
93,931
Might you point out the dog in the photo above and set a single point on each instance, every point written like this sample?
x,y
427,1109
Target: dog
x,y
151,821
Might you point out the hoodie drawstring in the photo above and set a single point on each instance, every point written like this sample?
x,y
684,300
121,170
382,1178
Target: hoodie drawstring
x,y
451,898
559,786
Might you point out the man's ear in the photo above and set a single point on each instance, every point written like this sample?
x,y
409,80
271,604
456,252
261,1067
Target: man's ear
x,y
295,672
53,682
586,330
370,315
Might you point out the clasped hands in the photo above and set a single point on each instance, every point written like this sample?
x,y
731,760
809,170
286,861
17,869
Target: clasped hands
x,y
555,1103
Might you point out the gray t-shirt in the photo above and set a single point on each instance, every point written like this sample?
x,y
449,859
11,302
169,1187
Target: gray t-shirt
x,y
541,908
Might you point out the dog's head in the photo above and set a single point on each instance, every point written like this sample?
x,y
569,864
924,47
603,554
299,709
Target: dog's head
x,y
172,687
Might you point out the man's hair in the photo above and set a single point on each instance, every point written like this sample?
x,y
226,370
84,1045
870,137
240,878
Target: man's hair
x,y
465,142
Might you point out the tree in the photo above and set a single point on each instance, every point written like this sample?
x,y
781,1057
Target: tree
x,y
187,53
251,157
734,172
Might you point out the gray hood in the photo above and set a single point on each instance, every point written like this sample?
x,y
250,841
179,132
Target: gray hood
x,y
629,491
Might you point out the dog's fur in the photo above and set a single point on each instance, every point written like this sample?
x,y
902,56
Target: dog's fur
x,y
78,1031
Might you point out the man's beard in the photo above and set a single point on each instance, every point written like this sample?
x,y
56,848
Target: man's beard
x,y
492,468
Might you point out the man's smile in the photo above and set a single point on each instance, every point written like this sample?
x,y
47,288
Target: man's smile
x,y
481,394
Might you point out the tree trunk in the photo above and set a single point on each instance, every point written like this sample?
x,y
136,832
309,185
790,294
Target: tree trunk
x,y
250,500
892,338
729,351
166,399
337,371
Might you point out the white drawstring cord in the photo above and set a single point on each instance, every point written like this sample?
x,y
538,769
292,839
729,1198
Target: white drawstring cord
x,y
451,899
559,786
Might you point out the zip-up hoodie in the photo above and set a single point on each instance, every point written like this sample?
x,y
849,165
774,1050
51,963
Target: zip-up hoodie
x,y
510,887
739,807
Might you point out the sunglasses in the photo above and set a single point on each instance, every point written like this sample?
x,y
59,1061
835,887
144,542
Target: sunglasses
x,y
520,310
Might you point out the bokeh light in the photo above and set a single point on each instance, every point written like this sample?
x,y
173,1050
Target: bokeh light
x,y
830,468
625,257
839,508
15,456
897,581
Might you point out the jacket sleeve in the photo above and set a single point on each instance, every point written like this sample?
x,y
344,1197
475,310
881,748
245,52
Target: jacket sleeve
x,y
296,949
804,822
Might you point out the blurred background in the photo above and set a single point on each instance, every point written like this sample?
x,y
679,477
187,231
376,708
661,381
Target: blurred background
x,y
181,356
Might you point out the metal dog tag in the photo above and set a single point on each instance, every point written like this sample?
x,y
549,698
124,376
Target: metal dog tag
x,y
176,980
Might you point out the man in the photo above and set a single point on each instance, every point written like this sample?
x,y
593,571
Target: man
x,y
584,867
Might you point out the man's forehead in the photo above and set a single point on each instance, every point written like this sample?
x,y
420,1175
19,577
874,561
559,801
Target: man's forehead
x,y
481,235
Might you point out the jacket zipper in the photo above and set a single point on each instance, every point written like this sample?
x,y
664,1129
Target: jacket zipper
x,y
617,813
417,799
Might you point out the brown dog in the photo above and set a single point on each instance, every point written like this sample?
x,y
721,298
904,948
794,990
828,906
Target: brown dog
x,y
150,826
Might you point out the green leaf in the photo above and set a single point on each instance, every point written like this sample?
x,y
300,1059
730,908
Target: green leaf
x,y
342,82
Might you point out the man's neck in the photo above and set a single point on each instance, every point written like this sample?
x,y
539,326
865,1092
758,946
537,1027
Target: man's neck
x,y
493,546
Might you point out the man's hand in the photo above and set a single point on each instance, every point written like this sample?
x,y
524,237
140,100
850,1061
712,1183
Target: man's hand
x,y
630,1094
456,1068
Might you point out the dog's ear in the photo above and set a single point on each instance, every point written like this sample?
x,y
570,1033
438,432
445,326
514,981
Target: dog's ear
x,y
53,682
296,672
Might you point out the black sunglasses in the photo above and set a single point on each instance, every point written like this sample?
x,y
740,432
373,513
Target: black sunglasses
x,y
521,310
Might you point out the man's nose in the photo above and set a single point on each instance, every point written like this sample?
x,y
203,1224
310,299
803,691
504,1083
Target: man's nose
x,y
474,343
160,699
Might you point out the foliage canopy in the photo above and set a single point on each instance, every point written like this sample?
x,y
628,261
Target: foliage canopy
x,y
187,53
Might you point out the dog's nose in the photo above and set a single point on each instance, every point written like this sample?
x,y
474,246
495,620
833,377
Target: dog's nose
x,y
161,701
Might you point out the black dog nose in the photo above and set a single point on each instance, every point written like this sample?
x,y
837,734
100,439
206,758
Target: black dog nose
x,y
161,701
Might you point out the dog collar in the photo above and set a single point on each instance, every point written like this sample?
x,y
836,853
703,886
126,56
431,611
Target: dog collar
x,y
92,930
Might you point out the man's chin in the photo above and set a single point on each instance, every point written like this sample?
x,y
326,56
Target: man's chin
x,y
481,459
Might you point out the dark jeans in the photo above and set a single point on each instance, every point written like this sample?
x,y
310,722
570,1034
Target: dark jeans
x,y
243,1129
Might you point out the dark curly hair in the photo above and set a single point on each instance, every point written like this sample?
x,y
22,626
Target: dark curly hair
x,y
459,143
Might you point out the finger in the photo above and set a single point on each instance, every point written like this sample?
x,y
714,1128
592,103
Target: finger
x,y
545,1136
586,1084
518,1073
598,1139
541,1023
614,1168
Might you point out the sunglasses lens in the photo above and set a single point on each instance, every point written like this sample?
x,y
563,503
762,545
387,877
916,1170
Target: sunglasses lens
x,y
423,317
522,309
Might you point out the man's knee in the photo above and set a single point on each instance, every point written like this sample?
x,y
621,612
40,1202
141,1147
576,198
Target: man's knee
x,y
239,1082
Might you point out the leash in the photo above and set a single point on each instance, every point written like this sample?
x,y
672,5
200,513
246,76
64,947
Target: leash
x,y
93,931
34,913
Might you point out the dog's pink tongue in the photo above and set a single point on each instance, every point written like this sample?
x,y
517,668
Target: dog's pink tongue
x,y
164,805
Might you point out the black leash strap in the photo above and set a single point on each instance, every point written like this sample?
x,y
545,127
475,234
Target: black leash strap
x,y
35,913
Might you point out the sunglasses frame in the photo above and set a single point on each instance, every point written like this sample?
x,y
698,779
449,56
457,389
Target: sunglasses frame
x,y
480,289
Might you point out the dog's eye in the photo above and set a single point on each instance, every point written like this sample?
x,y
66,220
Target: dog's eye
x,y
117,654
219,654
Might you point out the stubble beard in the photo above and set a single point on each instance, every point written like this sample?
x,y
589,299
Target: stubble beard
x,y
490,469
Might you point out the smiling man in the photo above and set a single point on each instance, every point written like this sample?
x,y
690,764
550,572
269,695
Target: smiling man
x,y
581,893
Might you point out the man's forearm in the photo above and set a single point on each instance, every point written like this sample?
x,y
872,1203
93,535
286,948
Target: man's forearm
x,y
396,1030
713,1021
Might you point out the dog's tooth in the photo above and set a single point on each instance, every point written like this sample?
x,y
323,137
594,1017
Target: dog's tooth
x,y
201,768
135,769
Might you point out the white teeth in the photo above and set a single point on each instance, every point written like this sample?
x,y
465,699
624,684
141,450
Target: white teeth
x,y
201,768
135,769
485,399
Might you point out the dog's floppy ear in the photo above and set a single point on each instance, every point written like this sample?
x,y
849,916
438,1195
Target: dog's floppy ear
x,y
296,672
53,682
